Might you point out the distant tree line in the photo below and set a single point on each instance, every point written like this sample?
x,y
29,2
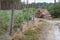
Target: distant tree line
x,y
53,8
35,5
7,4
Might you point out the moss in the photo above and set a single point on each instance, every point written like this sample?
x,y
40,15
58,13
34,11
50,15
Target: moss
x,y
30,32
41,26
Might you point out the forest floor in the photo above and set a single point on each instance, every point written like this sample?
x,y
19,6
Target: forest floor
x,y
46,33
26,26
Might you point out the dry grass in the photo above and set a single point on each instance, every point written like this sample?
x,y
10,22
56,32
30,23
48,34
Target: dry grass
x,y
30,33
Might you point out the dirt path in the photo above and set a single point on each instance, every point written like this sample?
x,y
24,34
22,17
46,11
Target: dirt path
x,y
51,32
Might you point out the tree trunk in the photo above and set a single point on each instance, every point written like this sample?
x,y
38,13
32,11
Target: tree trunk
x,y
12,20
27,14
54,1
0,4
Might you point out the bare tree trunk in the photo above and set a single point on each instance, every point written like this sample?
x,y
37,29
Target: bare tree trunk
x,y
27,14
0,4
12,20
34,13
55,1
54,5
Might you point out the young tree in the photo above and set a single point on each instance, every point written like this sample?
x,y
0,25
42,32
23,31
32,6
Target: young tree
x,y
12,17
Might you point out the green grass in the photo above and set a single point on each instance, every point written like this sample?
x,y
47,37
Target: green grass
x,y
19,18
5,18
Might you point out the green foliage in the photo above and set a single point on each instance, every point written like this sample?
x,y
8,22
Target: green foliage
x,y
54,9
32,10
24,10
20,16
28,13
4,21
51,9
